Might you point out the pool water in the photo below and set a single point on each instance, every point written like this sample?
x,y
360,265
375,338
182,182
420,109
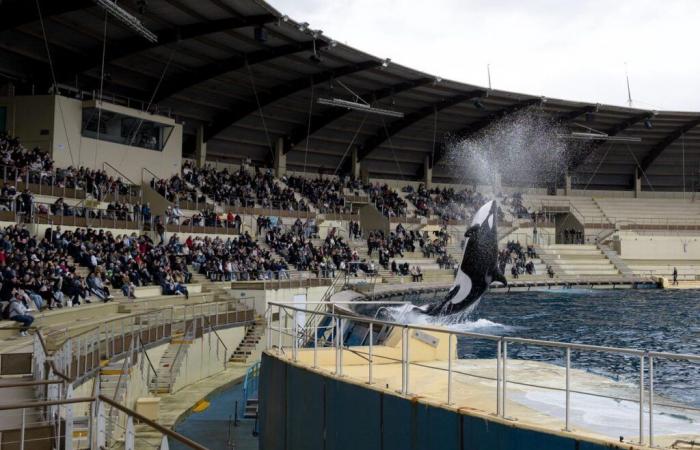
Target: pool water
x,y
653,320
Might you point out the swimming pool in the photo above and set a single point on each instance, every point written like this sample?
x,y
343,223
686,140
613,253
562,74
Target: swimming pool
x,y
654,320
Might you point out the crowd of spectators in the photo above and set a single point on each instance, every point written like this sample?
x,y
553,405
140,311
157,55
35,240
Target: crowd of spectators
x,y
387,200
37,167
325,194
237,188
331,255
520,259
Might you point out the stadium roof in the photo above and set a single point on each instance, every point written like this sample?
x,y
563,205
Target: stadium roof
x,y
210,68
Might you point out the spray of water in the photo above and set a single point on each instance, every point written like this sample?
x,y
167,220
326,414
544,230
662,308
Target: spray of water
x,y
524,148
463,321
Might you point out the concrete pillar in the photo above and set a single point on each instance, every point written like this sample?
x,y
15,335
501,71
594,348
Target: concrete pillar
x,y
200,148
364,174
356,165
427,172
637,183
280,163
567,184
496,182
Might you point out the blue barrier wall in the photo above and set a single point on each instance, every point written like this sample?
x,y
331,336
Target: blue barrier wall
x,y
303,410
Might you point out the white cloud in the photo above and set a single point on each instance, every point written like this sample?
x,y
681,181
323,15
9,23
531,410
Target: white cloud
x,y
558,48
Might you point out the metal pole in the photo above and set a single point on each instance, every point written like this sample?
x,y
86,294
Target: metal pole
x,y
449,369
651,401
641,400
279,330
21,437
340,342
568,389
505,377
498,377
371,352
295,343
316,345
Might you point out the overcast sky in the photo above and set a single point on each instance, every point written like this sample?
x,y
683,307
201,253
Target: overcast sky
x,y
568,49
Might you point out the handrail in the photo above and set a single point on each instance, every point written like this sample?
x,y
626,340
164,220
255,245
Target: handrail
x,y
51,363
145,353
156,177
216,333
106,164
167,431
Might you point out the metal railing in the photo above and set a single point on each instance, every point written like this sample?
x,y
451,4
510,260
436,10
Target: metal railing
x,y
289,340
42,182
62,360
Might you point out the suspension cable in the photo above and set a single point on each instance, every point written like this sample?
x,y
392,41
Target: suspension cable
x,y
55,83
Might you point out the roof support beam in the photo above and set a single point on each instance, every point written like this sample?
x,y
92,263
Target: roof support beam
x,y
132,45
614,130
219,68
659,148
14,14
576,113
330,115
244,109
385,133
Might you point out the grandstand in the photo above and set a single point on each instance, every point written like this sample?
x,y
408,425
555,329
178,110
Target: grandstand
x,y
158,194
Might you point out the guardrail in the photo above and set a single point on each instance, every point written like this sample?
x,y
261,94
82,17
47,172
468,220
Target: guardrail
x,y
63,359
287,342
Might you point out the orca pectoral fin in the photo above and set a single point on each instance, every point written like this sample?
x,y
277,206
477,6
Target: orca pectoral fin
x,y
498,276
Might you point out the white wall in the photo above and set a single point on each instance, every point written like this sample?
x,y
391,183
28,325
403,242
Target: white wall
x,y
674,248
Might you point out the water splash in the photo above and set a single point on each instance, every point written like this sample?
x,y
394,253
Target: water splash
x,y
525,148
462,321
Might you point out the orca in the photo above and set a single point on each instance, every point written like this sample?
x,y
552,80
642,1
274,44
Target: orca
x,y
479,266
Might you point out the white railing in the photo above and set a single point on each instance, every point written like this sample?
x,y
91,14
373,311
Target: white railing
x,y
287,341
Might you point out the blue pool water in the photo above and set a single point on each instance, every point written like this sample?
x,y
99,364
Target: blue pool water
x,y
654,320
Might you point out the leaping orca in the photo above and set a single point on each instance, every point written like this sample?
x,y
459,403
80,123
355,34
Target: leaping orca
x,y
479,265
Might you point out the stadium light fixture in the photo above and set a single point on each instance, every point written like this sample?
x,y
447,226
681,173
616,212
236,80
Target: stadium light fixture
x,y
386,63
589,136
127,18
359,107
303,26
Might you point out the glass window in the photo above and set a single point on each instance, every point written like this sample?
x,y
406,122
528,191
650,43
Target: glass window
x,y
126,130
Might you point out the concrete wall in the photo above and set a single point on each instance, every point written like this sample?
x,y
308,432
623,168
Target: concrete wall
x,y
206,356
659,247
260,298
53,123
301,409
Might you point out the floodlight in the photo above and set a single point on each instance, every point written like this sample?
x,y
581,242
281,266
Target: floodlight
x,y
127,18
359,107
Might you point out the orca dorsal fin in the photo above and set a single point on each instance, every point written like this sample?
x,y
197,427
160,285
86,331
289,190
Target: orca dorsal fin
x,y
498,276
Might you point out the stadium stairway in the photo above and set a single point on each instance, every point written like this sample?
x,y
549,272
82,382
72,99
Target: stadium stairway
x,y
170,361
250,343
576,260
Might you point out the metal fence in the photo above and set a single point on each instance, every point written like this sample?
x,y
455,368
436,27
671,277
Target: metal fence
x,y
64,358
288,336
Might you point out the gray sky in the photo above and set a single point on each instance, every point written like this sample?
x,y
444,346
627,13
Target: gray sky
x,y
567,49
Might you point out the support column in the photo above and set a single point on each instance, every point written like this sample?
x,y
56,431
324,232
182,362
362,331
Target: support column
x,y
427,172
200,148
356,165
567,184
637,183
497,182
280,163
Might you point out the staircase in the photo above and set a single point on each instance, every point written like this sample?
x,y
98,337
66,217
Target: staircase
x,y
113,384
575,260
249,344
170,362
